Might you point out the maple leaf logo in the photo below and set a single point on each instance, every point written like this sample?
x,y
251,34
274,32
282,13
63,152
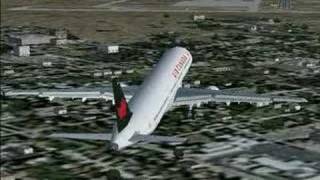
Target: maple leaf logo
x,y
122,109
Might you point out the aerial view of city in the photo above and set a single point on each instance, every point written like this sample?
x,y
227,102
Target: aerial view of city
x,y
159,89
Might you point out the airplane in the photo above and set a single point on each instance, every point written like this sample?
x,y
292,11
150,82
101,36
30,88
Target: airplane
x,y
139,109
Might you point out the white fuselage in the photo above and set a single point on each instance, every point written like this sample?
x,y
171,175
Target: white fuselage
x,y
155,95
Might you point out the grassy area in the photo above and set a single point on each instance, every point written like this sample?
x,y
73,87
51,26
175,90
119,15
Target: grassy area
x,y
49,171
115,27
303,5
51,3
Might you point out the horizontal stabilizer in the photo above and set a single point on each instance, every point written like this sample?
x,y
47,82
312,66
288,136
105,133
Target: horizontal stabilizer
x,y
83,136
156,139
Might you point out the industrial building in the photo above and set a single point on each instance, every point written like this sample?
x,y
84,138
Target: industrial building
x,y
21,43
113,49
60,35
56,41
29,39
199,17
110,49
21,50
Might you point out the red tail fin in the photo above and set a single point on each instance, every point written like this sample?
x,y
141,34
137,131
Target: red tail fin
x,y
121,106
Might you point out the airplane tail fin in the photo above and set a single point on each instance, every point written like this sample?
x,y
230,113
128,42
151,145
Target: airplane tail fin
x,y
121,107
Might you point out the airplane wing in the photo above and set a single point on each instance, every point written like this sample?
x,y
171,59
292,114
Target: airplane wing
x,y
190,96
83,136
81,93
156,139
184,96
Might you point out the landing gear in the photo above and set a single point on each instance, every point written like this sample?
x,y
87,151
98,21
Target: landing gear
x,y
178,153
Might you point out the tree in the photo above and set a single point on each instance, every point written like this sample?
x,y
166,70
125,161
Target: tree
x,y
272,124
113,174
166,15
304,26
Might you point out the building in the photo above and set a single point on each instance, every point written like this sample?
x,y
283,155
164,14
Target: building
x,y
8,72
215,88
222,69
197,82
110,49
266,72
60,34
21,43
119,72
29,39
297,107
21,50
199,17
187,85
58,41
47,64
277,106
129,71
285,4
60,111
107,72
113,49
97,74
